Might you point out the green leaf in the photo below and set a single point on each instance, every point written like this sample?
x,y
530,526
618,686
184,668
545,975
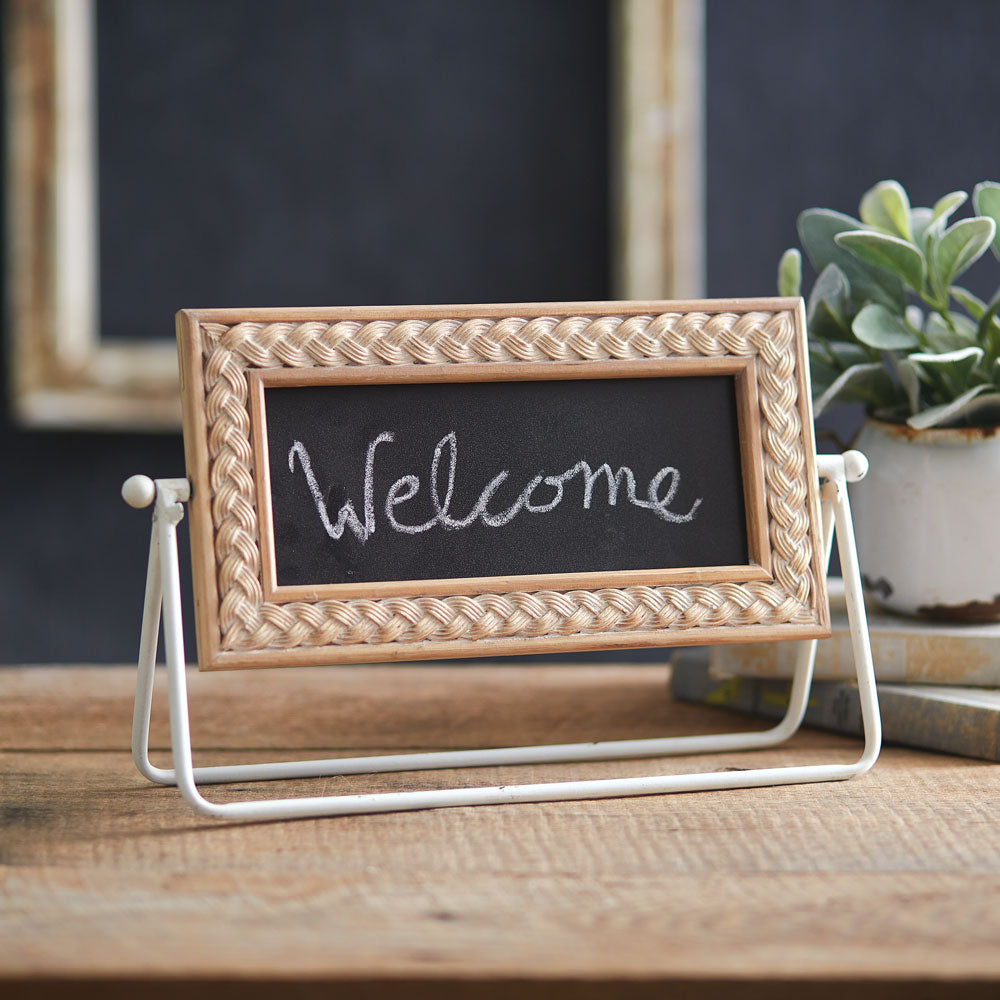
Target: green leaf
x,y
866,383
790,273
886,207
988,331
984,411
909,379
828,362
949,373
827,326
920,220
972,304
848,354
966,327
818,228
971,404
958,248
827,305
989,322
949,358
931,235
831,286
822,374
986,200
943,339
943,207
882,329
928,223
890,253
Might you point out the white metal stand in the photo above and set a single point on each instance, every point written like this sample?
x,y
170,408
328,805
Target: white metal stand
x,y
163,593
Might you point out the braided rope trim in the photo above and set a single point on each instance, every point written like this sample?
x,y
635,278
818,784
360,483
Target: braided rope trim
x,y
248,623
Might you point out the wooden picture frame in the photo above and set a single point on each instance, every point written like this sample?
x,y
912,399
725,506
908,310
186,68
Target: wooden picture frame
x,y
244,619
65,374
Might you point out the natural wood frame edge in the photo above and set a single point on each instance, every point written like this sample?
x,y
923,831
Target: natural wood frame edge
x,y
331,656
196,457
758,566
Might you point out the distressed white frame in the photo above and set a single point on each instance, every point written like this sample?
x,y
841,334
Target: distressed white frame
x,y
65,374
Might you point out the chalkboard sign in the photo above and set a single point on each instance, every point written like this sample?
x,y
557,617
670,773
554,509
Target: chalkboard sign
x,y
416,482
411,481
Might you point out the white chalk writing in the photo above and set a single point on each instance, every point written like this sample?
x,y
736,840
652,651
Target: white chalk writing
x,y
540,494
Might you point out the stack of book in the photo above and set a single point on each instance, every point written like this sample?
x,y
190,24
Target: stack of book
x,y
938,685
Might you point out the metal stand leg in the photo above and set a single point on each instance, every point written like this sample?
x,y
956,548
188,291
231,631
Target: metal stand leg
x,y
163,595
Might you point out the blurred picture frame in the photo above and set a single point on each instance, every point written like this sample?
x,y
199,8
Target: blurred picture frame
x,y
63,373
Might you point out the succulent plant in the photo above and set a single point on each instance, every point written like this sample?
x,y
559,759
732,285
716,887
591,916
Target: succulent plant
x,y
887,325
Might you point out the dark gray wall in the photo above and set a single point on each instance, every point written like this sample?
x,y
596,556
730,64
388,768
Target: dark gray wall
x,y
319,153
307,153
811,102
808,103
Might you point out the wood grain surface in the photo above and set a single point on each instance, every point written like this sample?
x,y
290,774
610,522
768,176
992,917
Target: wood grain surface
x,y
887,885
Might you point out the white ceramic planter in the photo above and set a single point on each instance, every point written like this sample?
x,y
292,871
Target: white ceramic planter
x,y
927,519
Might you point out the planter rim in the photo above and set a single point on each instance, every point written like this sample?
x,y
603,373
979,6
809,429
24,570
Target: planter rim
x,y
934,435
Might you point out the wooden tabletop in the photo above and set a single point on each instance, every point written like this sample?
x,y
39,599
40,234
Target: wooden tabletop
x,y
887,885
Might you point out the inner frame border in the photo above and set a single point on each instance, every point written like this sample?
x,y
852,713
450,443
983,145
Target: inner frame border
x,y
758,566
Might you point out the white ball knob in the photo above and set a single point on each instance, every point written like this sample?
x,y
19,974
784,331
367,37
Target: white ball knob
x,y
139,491
855,466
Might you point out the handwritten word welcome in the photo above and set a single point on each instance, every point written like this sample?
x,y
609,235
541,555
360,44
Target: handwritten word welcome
x,y
540,495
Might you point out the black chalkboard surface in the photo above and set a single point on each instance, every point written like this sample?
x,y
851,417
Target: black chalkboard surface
x,y
488,479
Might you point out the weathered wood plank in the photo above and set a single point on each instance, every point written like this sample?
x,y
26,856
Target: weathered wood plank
x,y
450,705
886,884
250,923
914,812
